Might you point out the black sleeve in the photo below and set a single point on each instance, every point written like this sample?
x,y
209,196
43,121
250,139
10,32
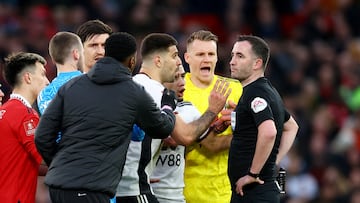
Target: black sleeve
x,y
155,122
287,115
49,127
260,109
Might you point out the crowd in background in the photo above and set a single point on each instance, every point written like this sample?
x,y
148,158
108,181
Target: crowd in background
x,y
315,65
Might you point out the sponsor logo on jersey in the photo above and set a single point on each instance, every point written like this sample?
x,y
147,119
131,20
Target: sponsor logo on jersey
x,y
258,104
29,127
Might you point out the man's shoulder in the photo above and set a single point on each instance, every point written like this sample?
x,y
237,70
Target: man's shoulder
x,y
184,103
235,85
48,92
15,110
231,80
187,111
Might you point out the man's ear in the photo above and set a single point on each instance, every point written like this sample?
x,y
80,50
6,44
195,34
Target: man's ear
x,y
76,54
131,62
157,60
26,77
258,63
186,57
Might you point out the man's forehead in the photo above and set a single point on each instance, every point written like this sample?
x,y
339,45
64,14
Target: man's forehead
x,y
97,38
241,47
173,49
201,44
202,49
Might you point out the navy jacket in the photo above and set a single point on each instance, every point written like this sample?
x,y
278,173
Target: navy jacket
x,y
95,113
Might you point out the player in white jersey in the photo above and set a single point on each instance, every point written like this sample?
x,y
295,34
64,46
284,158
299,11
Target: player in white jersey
x,y
138,165
160,64
168,176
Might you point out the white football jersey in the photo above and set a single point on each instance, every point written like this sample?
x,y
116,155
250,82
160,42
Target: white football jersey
x,y
169,165
139,162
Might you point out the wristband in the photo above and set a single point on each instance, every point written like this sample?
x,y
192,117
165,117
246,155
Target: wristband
x,y
204,135
167,107
254,175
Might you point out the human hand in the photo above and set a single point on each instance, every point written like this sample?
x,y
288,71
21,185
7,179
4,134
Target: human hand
x,y
222,122
169,142
246,180
230,105
218,96
168,99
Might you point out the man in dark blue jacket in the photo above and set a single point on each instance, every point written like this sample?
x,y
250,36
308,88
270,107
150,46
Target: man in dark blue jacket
x,y
95,114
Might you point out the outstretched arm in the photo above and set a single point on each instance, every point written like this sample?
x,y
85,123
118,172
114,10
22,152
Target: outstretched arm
x,y
216,140
186,134
216,143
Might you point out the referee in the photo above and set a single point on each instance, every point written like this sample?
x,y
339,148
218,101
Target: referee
x,y
263,129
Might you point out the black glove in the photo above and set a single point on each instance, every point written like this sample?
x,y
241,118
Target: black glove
x,y
168,99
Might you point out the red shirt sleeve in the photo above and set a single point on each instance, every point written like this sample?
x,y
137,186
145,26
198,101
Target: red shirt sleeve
x,y
27,133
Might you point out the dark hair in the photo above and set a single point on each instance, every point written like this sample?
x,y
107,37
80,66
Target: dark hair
x,y
259,47
156,42
91,28
120,45
17,62
61,45
202,35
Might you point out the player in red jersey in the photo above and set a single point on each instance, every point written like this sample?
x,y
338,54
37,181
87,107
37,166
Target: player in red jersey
x,y
19,159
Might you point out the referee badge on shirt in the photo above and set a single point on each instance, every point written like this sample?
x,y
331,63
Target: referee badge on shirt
x,y
258,104
29,127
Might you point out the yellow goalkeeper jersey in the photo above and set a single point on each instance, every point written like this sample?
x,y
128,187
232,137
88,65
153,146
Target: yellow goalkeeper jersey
x,y
206,178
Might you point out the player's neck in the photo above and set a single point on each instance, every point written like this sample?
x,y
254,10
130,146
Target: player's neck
x,y
67,67
24,96
152,74
201,83
251,79
86,69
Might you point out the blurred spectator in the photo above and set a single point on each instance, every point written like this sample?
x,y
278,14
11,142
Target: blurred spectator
x,y
266,24
314,64
334,186
301,186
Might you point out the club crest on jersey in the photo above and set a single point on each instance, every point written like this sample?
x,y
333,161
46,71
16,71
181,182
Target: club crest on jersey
x,y
2,112
29,127
258,104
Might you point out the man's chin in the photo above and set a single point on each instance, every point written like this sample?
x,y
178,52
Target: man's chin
x,y
207,79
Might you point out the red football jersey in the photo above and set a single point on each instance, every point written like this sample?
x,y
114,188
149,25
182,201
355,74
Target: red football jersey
x,y
19,158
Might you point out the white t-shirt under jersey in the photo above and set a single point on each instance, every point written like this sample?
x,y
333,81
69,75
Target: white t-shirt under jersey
x,y
129,184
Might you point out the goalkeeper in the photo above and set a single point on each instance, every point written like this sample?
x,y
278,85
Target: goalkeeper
x,y
167,179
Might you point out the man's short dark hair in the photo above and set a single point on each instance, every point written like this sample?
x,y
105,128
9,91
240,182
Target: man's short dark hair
x,y
120,45
156,42
91,28
17,62
259,47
